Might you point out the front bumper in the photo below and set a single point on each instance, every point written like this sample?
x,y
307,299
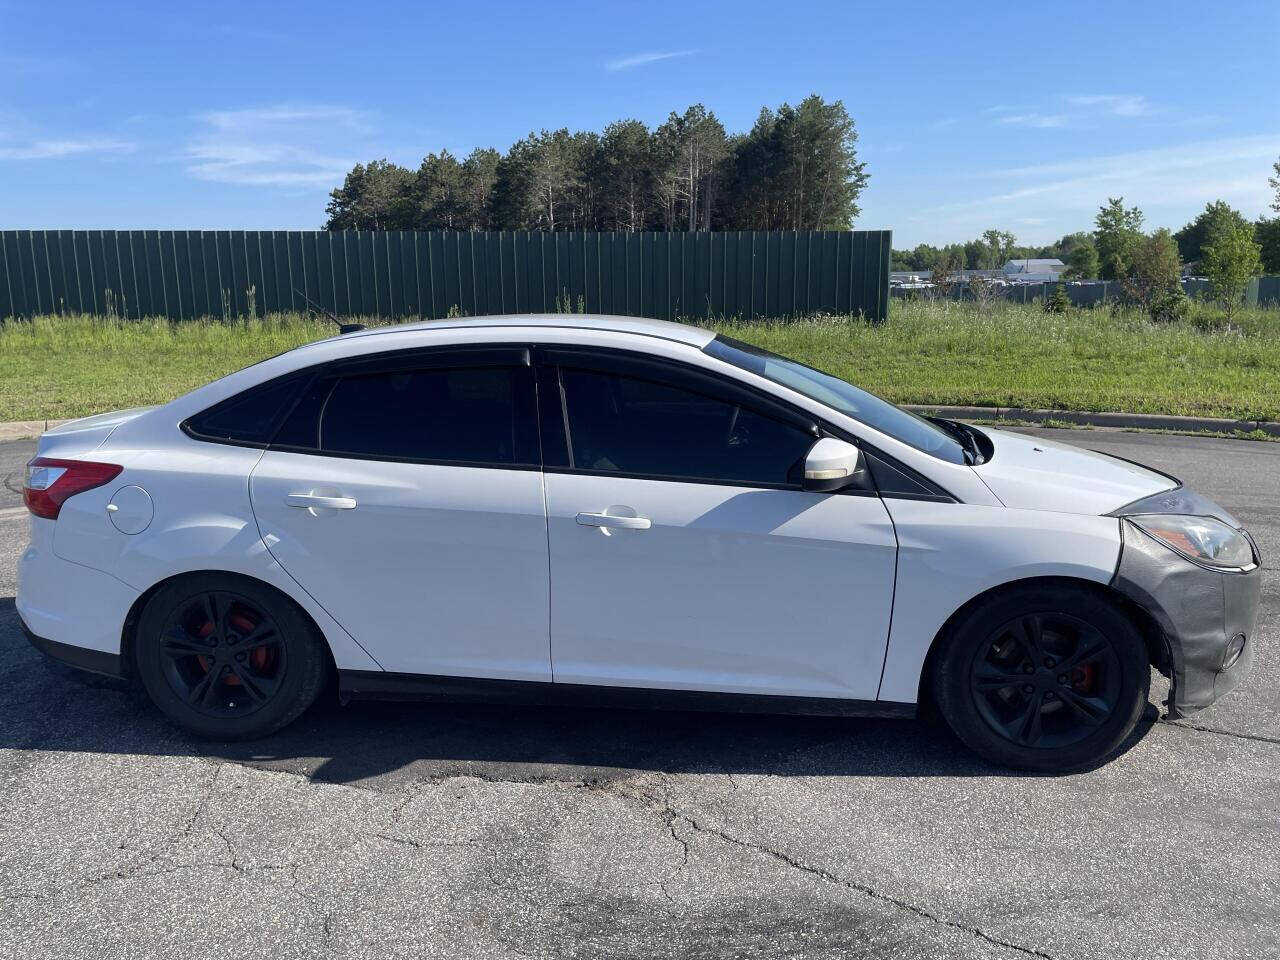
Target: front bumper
x,y
1198,612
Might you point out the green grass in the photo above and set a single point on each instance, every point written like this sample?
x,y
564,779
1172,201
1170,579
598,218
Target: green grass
x,y
929,353
58,367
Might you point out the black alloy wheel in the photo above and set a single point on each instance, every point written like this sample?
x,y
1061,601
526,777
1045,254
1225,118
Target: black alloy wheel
x,y
1048,677
1046,680
228,657
222,654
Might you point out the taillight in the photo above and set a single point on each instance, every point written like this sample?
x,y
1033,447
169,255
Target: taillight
x,y
50,482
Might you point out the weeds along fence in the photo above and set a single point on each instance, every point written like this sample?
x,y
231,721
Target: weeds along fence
x,y
1261,292
229,274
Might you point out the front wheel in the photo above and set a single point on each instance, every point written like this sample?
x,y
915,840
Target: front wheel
x,y
1050,679
228,658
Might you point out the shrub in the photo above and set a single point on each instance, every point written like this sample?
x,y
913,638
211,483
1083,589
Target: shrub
x,y
1171,307
1058,301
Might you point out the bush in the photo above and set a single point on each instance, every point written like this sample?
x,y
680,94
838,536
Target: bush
x,y
1058,301
1172,307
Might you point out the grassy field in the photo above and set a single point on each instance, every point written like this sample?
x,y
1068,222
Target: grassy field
x,y
943,353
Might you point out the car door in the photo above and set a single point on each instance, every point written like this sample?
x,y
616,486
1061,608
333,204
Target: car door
x,y
684,553
404,494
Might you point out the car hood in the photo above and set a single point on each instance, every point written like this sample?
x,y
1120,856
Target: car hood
x,y
1028,473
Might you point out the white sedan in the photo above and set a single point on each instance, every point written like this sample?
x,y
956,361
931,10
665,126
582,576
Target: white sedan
x,y
621,512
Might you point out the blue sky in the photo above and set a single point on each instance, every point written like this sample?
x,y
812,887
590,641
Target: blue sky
x,y
1019,116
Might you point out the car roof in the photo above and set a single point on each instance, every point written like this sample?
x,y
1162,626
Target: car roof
x,y
641,326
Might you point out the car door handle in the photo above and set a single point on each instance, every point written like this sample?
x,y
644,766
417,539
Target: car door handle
x,y
306,500
612,522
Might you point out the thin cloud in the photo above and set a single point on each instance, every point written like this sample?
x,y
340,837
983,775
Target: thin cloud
x,y
57,149
1081,111
284,145
641,59
1113,104
1176,156
1039,121
1176,179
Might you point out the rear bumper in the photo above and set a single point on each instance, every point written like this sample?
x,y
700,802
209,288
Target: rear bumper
x,y
1199,612
82,658
72,612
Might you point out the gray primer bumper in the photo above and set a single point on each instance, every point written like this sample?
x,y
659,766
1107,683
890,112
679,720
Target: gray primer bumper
x,y
1197,609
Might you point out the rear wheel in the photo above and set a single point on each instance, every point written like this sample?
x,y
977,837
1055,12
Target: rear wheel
x,y
228,658
1049,678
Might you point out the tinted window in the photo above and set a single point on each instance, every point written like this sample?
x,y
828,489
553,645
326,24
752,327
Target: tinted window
x,y
625,425
895,480
463,414
249,417
836,393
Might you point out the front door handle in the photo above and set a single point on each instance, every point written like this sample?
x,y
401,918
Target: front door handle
x,y
611,522
311,500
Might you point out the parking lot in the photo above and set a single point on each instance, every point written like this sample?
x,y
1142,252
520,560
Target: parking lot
x,y
385,830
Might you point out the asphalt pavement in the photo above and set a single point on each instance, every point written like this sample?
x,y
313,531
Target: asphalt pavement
x,y
384,830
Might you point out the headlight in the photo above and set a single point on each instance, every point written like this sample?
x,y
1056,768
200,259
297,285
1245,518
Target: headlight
x,y
1203,540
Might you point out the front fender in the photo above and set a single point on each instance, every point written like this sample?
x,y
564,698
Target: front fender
x,y
949,553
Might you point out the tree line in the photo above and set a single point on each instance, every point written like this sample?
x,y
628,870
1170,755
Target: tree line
x,y
1220,244
1110,250
797,168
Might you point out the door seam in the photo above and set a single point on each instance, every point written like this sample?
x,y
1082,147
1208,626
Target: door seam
x,y
893,594
263,540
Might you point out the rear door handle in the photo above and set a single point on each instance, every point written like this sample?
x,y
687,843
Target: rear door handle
x,y
612,522
306,500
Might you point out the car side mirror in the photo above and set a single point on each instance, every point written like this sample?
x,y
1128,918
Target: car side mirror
x,y
831,464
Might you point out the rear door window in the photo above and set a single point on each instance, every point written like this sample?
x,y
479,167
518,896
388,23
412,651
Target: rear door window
x,y
480,415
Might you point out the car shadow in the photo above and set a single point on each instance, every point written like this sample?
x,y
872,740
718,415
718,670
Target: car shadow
x,y
45,706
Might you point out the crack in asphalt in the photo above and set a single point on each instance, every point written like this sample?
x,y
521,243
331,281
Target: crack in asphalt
x,y
325,916
826,875
1235,734
670,816
428,844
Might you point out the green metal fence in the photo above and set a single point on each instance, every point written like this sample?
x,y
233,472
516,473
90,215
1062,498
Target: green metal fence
x,y
186,274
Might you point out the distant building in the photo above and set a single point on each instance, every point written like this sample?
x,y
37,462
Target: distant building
x,y
1034,270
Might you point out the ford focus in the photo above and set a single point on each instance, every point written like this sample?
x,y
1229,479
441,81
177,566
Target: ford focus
x,y
622,512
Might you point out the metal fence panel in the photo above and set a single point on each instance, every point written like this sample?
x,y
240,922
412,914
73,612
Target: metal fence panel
x,y
187,274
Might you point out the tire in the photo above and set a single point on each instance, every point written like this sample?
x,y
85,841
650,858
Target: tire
x,y
1048,678
228,658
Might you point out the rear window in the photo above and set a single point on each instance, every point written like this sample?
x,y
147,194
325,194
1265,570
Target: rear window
x,y
250,417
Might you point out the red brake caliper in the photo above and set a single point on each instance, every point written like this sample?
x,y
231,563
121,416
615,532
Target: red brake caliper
x,y
202,633
1082,678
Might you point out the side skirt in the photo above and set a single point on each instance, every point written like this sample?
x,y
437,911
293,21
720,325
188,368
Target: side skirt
x,y
373,685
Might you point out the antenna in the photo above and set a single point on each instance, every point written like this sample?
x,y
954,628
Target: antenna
x,y
342,327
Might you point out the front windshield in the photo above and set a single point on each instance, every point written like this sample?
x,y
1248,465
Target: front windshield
x,y
836,393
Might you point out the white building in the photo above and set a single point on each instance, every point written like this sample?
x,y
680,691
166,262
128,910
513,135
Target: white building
x,y
1034,270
